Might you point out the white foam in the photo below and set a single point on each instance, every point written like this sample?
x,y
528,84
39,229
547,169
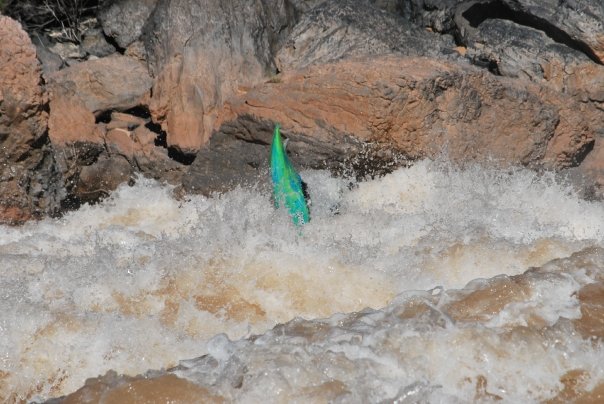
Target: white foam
x,y
142,280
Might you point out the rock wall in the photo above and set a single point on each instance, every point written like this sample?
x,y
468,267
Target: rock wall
x,y
29,184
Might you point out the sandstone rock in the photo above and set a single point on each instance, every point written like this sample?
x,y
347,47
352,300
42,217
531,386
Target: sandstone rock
x,y
85,149
125,121
202,53
124,20
358,110
349,28
114,82
28,178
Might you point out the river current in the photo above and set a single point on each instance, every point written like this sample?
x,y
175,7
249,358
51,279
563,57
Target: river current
x,y
430,284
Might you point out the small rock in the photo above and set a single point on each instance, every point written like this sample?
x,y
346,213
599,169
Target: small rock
x,y
124,20
94,43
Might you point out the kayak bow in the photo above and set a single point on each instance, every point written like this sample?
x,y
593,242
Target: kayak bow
x,y
287,184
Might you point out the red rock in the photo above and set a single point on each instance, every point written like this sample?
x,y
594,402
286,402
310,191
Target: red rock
x,y
28,187
114,82
426,108
196,70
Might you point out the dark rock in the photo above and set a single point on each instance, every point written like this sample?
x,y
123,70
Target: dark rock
x,y
202,53
578,27
51,62
437,15
99,179
349,28
95,44
518,51
123,20
225,162
238,154
578,24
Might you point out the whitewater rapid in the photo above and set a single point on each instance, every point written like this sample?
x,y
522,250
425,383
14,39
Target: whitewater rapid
x,y
414,286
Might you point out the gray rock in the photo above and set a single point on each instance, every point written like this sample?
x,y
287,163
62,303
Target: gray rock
x,y
225,162
337,29
238,154
438,15
516,44
123,20
577,23
518,51
51,62
94,43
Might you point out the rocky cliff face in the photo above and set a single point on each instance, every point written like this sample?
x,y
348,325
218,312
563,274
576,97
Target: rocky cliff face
x,y
358,86
29,183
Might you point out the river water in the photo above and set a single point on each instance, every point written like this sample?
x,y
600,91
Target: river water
x,y
431,284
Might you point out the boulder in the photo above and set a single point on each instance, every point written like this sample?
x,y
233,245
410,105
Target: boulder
x,y
578,24
512,49
202,53
123,20
94,43
114,82
338,29
28,178
375,113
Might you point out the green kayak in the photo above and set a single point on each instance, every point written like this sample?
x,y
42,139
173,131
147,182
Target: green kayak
x,y
287,184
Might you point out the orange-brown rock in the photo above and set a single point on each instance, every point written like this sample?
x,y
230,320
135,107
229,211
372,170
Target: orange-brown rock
x,y
95,157
426,108
115,82
28,181
196,70
167,388
369,112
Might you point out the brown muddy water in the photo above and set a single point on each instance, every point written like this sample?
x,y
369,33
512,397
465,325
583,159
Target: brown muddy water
x,y
430,284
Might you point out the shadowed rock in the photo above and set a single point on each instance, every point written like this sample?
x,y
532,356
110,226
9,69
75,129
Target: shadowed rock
x,y
28,179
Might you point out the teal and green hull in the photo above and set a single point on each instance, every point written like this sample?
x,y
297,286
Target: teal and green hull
x,y
287,184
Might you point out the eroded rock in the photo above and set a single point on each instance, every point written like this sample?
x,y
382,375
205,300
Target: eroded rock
x,y
95,156
338,29
388,109
202,53
124,20
114,82
28,179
